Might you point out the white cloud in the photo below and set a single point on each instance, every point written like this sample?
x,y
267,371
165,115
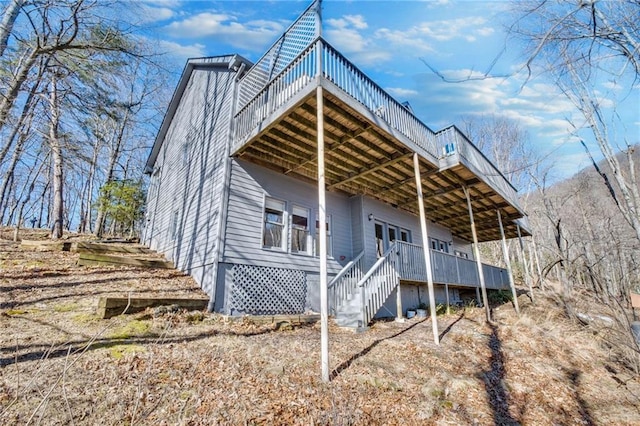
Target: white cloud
x,y
445,30
356,21
249,35
156,14
182,52
400,92
405,39
345,34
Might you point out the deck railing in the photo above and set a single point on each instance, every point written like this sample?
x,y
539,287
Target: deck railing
x,y
378,283
345,284
447,268
346,76
295,77
452,141
320,59
337,69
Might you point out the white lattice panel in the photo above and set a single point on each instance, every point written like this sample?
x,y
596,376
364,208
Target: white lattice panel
x,y
261,290
293,42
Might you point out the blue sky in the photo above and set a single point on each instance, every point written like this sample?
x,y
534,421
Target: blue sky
x,y
391,41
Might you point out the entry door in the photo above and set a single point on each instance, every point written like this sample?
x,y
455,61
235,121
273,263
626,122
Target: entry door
x,y
386,234
382,243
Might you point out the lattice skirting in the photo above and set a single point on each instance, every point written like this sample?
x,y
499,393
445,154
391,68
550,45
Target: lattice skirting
x,y
259,290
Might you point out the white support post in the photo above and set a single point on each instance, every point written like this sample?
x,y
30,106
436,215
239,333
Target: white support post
x,y
505,254
446,290
322,241
427,253
399,316
525,265
476,253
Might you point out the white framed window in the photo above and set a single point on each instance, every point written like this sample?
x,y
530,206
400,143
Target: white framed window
x,y
273,231
405,235
300,235
316,246
439,245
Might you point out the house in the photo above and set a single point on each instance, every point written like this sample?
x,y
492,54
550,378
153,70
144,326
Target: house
x,y
234,196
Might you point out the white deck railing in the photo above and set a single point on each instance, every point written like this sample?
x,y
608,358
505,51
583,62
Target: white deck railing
x,y
451,141
345,284
320,59
447,268
378,283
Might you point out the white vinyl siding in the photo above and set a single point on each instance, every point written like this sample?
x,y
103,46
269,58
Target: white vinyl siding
x,y
249,186
192,163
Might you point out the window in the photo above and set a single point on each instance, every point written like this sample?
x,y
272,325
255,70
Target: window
x,y
300,237
316,246
392,234
439,245
273,224
405,235
461,254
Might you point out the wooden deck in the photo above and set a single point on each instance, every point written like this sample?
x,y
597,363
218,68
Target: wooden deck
x,y
370,139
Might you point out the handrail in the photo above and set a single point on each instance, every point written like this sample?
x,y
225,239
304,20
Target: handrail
x,y
344,270
376,266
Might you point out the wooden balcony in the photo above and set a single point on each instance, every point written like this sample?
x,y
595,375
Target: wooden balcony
x,y
447,269
369,142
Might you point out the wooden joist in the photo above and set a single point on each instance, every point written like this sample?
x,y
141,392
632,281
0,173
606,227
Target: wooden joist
x,y
87,259
112,306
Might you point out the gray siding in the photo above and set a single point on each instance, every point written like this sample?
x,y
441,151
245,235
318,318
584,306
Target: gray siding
x,y
186,185
357,224
243,240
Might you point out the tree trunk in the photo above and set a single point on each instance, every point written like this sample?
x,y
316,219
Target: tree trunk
x,y
56,156
113,159
6,26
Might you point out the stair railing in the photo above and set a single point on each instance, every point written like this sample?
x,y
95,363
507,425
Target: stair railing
x,y
345,283
378,283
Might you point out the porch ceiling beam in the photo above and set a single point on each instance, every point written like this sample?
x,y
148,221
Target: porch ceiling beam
x,y
371,170
477,212
351,135
328,149
451,189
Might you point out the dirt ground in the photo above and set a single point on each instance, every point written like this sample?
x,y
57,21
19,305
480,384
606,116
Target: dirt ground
x,y
61,364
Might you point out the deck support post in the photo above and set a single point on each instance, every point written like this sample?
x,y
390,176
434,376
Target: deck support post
x,y
476,254
427,253
525,265
399,316
478,298
322,241
505,254
446,290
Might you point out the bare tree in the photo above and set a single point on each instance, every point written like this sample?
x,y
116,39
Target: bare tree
x,y
580,45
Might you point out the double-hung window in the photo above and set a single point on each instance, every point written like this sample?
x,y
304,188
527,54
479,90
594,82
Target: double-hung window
x,y
273,235
300,236
316,246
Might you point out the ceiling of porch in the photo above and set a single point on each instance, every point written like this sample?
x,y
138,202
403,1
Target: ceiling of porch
x,y
361,157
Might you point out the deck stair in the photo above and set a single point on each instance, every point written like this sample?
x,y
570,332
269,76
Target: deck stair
x,y
357,296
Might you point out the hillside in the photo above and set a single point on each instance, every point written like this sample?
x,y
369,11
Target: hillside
x,y
60,364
